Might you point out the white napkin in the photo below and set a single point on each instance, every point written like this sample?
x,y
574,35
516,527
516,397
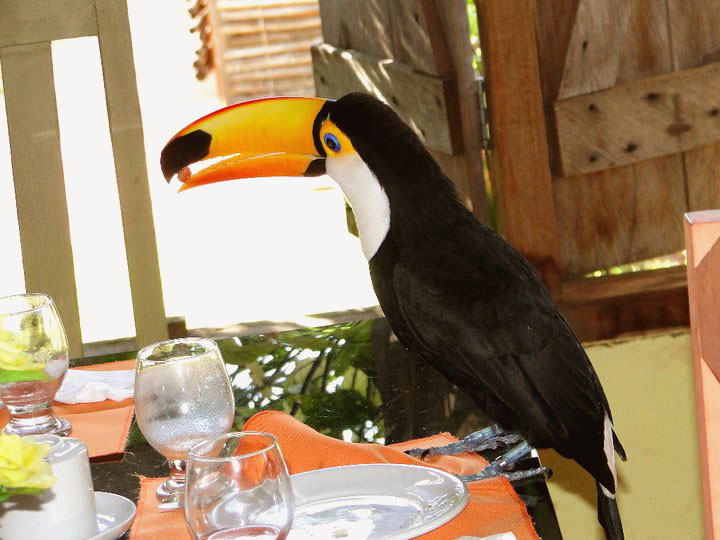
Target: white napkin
x,y
501,536
82,386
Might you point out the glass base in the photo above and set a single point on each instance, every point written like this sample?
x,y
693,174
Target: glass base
x,y
55,426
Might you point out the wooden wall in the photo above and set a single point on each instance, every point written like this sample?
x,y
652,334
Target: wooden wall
x,y
415,55
605,122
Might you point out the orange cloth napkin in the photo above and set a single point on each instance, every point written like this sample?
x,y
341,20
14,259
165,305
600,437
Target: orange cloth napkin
x,y
103,425
493,507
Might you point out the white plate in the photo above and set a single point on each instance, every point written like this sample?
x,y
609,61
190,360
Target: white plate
x,y
114,515
374,502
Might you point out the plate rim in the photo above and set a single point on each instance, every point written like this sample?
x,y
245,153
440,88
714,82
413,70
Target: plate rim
x,y
121,526
418,529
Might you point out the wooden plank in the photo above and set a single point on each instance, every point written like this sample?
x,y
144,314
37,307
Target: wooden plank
x,y
288,12
639,120
39,183
620,215
430,37
449,31
702,233
703,244
39,21
401,31
593,55
130,168
418,98
262,52
241,5
418,37
584,290
277,74
597,227
606,318
258,26
555,21
695,37
519,155
360,26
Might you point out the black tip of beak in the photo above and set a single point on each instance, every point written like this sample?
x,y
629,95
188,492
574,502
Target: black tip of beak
x,y
316,168
183,151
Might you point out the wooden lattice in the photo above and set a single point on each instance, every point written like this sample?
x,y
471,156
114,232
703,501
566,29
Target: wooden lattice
x,y
259,47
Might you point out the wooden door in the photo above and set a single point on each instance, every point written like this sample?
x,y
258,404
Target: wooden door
x,y
605,121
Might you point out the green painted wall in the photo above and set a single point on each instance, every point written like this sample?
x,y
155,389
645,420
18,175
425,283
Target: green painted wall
x,y
649,383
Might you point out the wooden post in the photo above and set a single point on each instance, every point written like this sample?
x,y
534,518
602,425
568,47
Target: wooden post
x,y
702,238
519,158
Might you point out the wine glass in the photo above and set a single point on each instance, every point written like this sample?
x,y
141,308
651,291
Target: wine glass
x,y
182,396
238,487
33,362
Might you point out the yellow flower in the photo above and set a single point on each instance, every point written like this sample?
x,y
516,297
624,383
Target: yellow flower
x,y
22,465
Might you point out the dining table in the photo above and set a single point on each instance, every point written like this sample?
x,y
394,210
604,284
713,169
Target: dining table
x,y
351,381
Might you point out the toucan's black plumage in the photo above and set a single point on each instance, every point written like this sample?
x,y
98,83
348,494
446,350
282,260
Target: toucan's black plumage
x,y
466,301
454,292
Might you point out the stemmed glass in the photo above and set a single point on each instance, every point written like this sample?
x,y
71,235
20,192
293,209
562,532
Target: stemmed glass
x,y
238,487
33,362
182,396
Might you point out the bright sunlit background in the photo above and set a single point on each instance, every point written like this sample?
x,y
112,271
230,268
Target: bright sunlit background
x,y
234,252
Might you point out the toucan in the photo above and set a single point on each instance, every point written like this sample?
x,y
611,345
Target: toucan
x,y
454,292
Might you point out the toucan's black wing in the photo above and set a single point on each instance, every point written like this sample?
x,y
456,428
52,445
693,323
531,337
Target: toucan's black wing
x,y
478,312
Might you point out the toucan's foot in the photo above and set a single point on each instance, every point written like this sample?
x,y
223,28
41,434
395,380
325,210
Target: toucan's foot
x,y
504,464
489,438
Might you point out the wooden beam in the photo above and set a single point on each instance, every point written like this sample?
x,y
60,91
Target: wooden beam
x,y
608,318
39,181
126,135
419,98
702,235
639,120
449,32
519,160
703,244
23,22
582,290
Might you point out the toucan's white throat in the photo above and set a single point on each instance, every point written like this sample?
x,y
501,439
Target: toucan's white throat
x,y
366,197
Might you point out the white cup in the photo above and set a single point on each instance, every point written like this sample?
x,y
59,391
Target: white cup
x,y
64,512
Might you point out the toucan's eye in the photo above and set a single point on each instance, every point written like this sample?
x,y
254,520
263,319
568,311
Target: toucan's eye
x,y
331,141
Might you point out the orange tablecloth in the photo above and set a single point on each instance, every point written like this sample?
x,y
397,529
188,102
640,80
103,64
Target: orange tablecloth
x,y
493,507
104,425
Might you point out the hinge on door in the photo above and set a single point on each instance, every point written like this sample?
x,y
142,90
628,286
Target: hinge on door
x,y
483,110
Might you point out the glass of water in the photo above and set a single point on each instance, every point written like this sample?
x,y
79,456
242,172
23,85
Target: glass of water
x,y
182,396
238,487
33,362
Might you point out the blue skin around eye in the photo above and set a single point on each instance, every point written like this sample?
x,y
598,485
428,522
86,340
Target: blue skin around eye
x,y
332,142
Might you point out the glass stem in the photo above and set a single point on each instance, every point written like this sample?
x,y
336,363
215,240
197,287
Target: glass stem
x,y
177,471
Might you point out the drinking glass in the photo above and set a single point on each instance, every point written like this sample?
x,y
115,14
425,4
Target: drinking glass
x,y
182,396
238,487
33,362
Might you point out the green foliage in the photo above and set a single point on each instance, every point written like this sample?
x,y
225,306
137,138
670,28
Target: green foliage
x,y
474,35
325,377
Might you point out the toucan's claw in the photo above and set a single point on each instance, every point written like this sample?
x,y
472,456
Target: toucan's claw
x,y
490,438
505,463
515,476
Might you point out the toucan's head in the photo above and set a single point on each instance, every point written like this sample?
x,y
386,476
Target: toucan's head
x,y
358,140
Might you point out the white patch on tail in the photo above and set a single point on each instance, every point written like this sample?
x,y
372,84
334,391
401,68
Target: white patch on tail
x,y
609,447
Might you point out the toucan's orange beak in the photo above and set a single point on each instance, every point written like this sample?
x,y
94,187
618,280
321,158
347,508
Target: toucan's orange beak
x,y
266,137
